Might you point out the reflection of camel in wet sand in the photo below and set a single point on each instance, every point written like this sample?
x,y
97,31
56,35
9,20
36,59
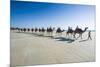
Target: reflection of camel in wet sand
x,y
59,31
79,31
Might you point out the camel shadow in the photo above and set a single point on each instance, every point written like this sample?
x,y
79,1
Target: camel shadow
x,y
37,35
64,39
83,40
41,35
49,36
52,37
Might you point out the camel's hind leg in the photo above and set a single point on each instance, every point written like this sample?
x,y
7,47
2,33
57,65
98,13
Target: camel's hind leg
x,y
74,35
71,35
67,35
81,36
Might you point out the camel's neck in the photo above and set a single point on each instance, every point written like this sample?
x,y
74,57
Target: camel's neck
x,y
62,31
84,30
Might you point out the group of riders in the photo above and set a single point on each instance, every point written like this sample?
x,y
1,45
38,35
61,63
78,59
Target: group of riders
x,y
59,31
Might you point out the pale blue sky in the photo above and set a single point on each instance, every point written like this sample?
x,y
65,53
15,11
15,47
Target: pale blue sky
x,y
39,14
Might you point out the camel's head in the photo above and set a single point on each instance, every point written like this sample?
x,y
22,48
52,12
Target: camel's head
x,y
63,30
53,28
86,27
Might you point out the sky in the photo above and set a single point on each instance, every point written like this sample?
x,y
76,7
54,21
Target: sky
x,y
40,14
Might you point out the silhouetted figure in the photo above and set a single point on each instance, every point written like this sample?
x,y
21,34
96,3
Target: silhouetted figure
x,y
89,35
32,29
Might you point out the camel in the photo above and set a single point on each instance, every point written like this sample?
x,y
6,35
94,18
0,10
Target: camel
x,y
12,28
70,31
15,29
19,29
28,29
79,31
43,30
59,31
36,29
24,29
47,30
32,29
50,31
40,30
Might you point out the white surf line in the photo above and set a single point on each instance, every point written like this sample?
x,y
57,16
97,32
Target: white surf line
x,y
85,2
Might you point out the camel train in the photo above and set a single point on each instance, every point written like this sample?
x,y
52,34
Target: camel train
x,y
76,31
50,31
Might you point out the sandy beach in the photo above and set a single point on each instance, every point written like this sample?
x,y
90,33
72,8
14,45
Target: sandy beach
x,y
32,49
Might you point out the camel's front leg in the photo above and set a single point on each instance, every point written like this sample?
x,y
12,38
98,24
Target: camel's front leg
x,y
74,35
61,34
67,34
81,36
78,36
